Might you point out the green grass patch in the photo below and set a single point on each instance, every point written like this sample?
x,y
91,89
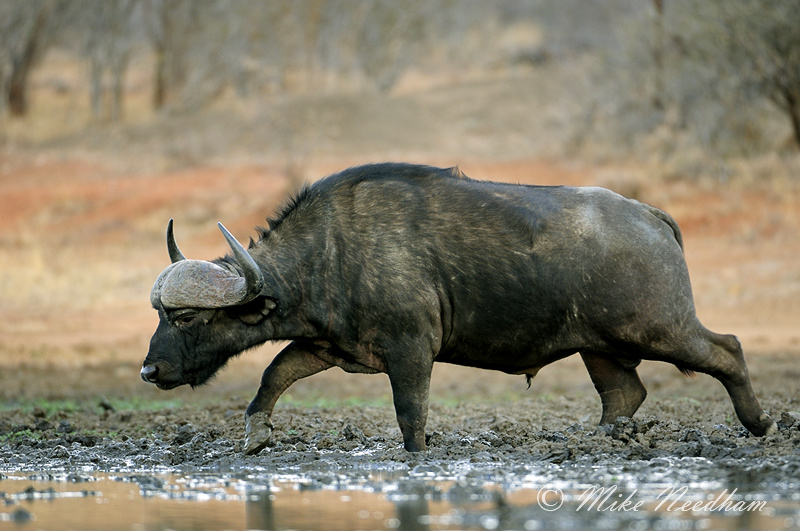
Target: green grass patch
x,y
144,404
53,407
112,434
691,401
49,407
20,435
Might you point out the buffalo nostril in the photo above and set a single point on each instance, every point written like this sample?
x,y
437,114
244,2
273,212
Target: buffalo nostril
x,y
149,373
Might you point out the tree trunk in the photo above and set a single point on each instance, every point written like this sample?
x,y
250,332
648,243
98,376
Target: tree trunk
x,y
21,67
118,87
160,83
96,88
658,56
793,107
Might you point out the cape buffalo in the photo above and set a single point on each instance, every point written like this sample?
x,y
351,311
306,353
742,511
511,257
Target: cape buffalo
x,y
391,267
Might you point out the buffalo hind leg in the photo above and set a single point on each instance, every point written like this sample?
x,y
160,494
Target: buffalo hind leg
x,y
729,367
721,356
616,380
294,362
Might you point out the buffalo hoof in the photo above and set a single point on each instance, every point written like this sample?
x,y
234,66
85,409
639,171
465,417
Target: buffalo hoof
x,y
772,428
257,432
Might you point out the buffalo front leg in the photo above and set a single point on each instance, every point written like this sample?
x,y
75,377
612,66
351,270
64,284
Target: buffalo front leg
x,y
411,381
293,363
621,391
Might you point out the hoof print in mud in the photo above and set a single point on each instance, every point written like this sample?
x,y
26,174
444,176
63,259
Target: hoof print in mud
x,y
257,433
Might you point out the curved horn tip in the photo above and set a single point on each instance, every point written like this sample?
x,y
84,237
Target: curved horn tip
x,y
228,236
251,270
234,244
175,253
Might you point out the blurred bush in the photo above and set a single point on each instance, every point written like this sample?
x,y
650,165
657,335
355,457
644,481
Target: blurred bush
x,y
661,80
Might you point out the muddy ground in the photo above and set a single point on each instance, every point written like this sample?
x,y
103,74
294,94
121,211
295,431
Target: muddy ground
x,y
482,456
534,428
479,456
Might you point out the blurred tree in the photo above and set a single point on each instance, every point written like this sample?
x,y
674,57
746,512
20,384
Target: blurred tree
x,y
200,48
659,33
108,46
390,35
686,74
761,47
22,42
753,50
169,27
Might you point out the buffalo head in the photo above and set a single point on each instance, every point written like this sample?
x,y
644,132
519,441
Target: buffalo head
x,y
208,312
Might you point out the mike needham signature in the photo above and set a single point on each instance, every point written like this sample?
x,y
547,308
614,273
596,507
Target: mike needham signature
x,y
607,499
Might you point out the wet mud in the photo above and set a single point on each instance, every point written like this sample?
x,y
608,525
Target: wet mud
x,y
558,430
478,453
499,457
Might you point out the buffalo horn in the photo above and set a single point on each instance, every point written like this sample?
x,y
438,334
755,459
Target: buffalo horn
x,y
175,253
252,273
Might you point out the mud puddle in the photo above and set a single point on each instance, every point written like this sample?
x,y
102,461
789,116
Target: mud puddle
x,y
533,464
656,494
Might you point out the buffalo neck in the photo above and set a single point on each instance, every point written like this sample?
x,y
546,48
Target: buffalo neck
x,y
293,272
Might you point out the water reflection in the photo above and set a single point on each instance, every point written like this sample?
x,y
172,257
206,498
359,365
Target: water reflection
x,y
411,515
402,500
332,509
259,513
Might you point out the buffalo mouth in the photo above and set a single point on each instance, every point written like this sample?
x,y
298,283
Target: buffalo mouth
x,y
164,377
166,386
160,376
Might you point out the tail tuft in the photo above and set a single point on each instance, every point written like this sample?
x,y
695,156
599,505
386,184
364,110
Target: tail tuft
x,y
669,220
687,372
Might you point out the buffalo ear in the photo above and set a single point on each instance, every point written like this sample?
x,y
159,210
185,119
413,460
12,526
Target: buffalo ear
x,y
256,311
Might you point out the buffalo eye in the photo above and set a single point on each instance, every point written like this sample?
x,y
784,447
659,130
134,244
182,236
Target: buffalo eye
x,y
184,318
